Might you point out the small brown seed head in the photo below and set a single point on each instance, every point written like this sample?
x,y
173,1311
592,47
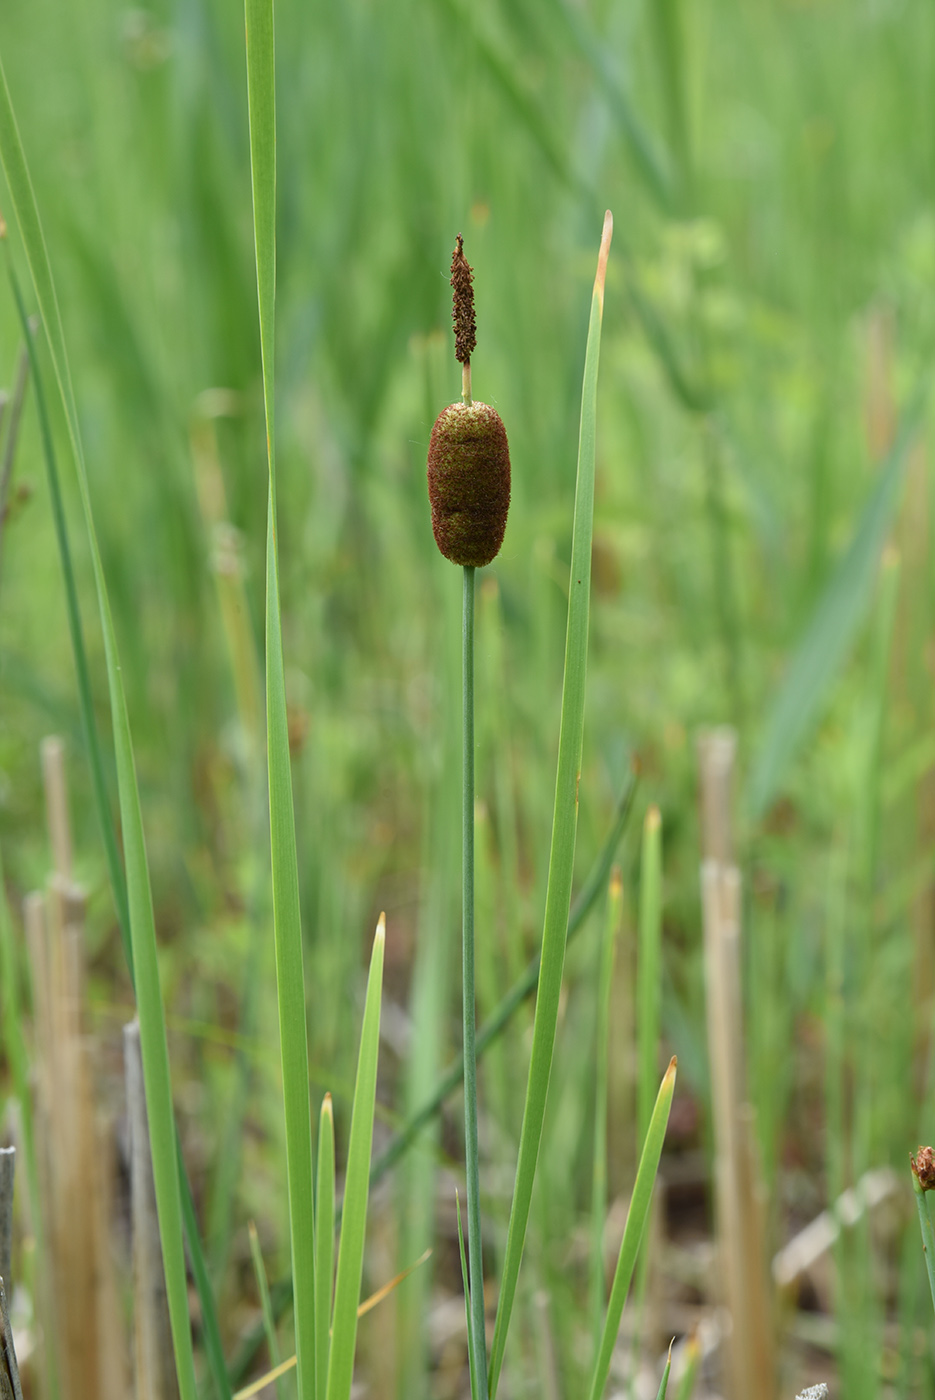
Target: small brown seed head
x,y
923,1165
462,308
469,483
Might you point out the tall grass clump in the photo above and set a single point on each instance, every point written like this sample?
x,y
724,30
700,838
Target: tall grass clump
x,y
760,555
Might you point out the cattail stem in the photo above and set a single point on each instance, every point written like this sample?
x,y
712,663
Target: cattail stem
x,y
475,1256
466,384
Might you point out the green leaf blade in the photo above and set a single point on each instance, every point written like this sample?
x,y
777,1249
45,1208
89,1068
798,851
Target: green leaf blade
x,y
357,1185
324,1241
633,1231
142,923
564,827
290,982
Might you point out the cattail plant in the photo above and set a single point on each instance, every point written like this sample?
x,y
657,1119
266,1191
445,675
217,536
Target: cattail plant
x,y
469,492
469,457
923,1181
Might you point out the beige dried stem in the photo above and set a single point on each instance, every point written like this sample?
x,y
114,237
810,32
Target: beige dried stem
x,y
81,1293
7,1171
10,1387
739,1214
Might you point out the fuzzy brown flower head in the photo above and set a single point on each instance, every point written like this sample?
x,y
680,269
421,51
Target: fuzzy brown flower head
x,y
923,1164
462,310
469,483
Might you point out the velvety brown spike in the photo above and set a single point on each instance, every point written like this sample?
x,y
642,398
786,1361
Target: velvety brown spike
x,y
462,310
469,482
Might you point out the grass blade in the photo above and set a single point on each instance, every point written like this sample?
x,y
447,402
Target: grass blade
x,y
324,1243
76,630
287,923
633,1231
649,980
824,645
139,895
564,826
269,1322
211,1328
467,1302
356,1186
602,1050
290,983
664,1383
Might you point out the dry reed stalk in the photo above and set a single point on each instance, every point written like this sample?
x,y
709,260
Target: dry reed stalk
x,y
154,1363
52,753
74,1165
7,1171
10,1388
740,1231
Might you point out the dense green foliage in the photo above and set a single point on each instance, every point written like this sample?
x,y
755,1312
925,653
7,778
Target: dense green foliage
x,y
770,318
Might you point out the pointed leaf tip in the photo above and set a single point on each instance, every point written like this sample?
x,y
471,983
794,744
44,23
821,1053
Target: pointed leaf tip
x,y
606,235
381,929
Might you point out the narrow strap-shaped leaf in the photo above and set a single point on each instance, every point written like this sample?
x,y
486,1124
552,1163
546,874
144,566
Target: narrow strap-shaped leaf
x,y
290,983
649,981
664,1383
211,1328
261,101
356,1186
266,1309
287,923
605,973
633,1230
469,1320
76,631
564,826
324,1243
142,923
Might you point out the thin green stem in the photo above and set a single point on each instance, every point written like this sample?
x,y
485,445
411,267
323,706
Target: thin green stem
x,y
928,1238
475,1256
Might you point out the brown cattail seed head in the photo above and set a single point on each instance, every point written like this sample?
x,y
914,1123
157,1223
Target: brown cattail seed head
x,y
923,1164
462,309
469,483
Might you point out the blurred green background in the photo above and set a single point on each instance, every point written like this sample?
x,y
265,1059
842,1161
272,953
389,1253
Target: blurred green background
x,y
768,331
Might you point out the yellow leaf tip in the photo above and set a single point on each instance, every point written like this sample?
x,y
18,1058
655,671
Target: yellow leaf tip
x,y
603,255
653,818
381,928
